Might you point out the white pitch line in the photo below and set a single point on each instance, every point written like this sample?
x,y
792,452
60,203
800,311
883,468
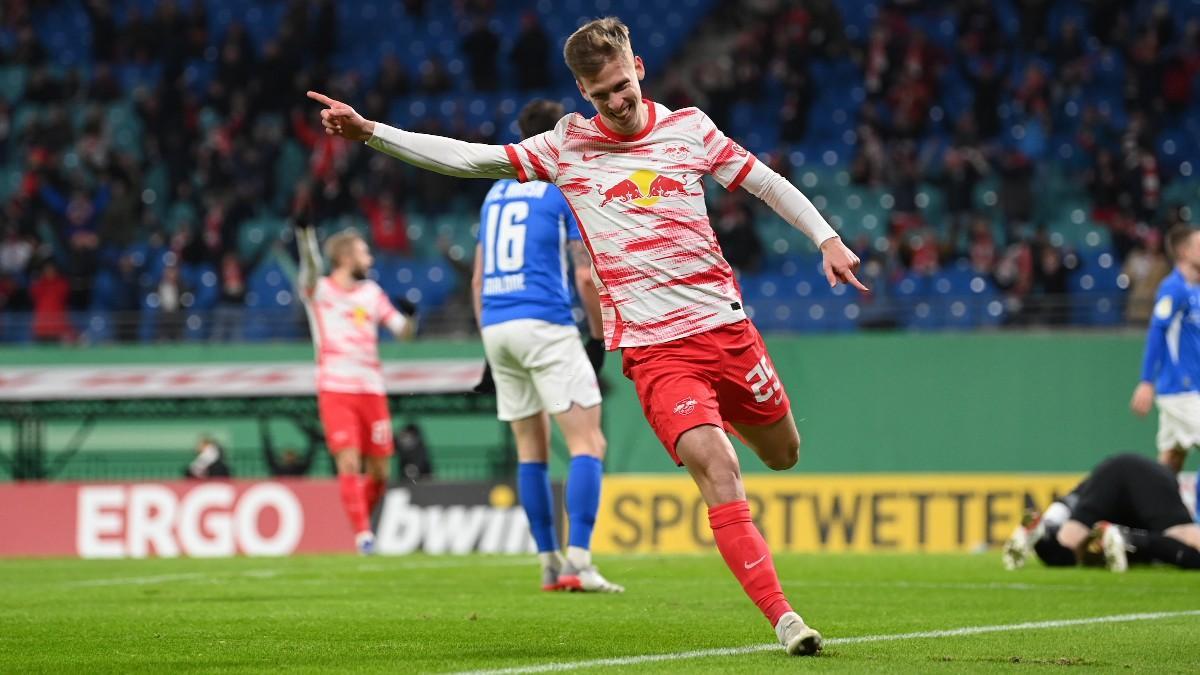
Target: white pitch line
x,y
138,581
735,651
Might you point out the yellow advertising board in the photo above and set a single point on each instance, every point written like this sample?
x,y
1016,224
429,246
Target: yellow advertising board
x,y
828,512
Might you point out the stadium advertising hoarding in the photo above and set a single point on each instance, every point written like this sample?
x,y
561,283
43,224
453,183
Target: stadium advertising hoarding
x,y
171,519
227,518
638,514
828,512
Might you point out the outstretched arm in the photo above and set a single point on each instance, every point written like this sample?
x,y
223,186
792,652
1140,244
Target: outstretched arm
x,y
435,153
784,199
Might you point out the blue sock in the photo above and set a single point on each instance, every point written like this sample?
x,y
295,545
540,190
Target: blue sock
x,y
583,499
533,485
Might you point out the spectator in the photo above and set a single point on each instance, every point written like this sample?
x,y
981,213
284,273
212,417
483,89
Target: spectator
x,y
288,463
481,46
228,314
962,168
433,77
210,461
104,30
125,299
232,275
412,454
16,251
1050,283
1016,193
49,294
1145,267
393,78
734,227
981,249
389,227
530,55
987,80
172,299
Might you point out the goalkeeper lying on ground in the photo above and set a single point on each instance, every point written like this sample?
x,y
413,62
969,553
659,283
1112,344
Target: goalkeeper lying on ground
x,y
1127,510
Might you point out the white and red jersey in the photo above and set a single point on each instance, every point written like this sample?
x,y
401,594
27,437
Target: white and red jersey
x,y
640,205
345,330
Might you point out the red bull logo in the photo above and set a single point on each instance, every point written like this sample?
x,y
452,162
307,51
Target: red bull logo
x,y
645,188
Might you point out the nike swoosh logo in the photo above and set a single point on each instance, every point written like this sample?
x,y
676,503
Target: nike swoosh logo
x,y
752,565
779,400
588,158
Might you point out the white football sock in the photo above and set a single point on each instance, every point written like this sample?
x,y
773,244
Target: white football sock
x,y
579,557
551,560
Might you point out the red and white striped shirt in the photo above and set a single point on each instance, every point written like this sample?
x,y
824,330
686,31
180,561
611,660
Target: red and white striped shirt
x,y
345,330
640,205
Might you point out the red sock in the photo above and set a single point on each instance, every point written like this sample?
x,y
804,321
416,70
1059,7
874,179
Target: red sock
x,y
373,490
355,501
747,555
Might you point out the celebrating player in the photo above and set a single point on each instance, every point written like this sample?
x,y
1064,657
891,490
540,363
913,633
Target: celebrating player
x,y
345,309
632,176
1171,366
536,359
1127,509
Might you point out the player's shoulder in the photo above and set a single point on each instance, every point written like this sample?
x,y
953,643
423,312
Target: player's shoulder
x,y
689,116
369,287
1173,283
567,122
497,190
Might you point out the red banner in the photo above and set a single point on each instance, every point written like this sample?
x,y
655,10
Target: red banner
x,y
170,519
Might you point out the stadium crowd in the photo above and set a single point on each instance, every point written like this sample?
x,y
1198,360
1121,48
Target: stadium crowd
x,y
212,111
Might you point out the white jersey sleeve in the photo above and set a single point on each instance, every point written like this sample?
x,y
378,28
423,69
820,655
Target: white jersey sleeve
x,y
727,162
536,157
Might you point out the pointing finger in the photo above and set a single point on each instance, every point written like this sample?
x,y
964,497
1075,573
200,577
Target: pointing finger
x,y
322,98
848,277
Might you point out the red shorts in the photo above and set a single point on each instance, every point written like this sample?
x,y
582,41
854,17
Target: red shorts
x,y
722,375
356,422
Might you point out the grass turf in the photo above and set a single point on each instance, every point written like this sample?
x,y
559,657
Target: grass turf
x,y
423,614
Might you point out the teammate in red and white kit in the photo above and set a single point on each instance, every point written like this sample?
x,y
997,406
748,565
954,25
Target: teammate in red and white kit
x,y
345,309
632,176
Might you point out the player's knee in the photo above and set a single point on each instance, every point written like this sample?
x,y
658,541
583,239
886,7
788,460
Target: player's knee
x,y
788,455
599,445
1172,459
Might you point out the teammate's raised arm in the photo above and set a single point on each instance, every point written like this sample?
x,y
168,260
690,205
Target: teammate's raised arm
x,y
434,153
310,260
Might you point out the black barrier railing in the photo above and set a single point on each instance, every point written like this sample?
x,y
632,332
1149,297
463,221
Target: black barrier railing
x,y
448,463
774,307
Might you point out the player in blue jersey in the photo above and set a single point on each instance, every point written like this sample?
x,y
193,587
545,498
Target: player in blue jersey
x,y
1171,366
539,366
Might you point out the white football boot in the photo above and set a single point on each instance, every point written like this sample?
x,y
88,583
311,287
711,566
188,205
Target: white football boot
x,y
796,637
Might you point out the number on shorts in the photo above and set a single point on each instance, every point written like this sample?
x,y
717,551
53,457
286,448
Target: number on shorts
x,y
381,432
763,381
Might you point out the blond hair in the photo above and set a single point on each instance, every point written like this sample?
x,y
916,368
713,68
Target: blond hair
x,y
340,244
596,43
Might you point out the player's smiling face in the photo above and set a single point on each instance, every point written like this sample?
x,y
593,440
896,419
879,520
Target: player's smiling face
x,y
616,93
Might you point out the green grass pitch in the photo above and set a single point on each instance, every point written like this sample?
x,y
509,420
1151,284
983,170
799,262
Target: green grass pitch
x,y
425,614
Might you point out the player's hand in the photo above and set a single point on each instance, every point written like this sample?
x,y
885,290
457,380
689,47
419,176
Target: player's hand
x,y
1143,398
840,264
595,353
486,385
339,119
